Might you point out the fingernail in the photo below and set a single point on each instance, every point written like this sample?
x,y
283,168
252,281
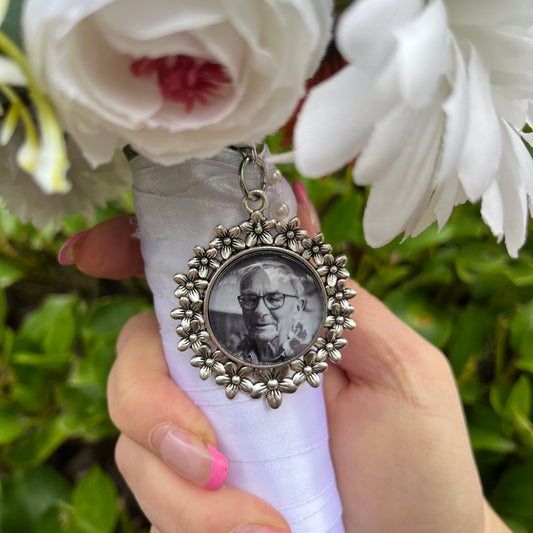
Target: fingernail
x,y
305,204
257,528
301,193
190,456
66,253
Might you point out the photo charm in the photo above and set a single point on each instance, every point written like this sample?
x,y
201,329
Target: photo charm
x,y
264,307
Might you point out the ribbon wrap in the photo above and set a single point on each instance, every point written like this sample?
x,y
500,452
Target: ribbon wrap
x,y
280,455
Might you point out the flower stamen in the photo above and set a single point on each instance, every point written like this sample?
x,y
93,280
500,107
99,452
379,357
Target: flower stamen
x,y
184,79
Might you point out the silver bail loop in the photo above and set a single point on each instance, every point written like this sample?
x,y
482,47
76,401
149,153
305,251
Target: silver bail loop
x,y
250,156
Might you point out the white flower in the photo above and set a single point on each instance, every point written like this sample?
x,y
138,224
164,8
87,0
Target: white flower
x,y
432,104
42,153
25,198
174,79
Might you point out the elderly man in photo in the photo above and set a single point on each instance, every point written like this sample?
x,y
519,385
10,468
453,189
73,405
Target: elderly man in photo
x,y
271,299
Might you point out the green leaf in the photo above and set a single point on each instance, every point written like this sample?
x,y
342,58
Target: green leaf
x,y
519,401
56,519
514,492
28,494
470,336
482,439
100,356
38,446
522,337
85,411
3,312
524,429
53,324
31,389
344,221
110,314
95,503
54,361
498,394
9,273
12,422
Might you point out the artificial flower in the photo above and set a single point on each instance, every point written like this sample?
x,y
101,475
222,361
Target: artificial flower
x,y
173,80
88,187
42,151
432,104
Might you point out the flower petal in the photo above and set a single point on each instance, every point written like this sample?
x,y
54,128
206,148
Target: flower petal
x,y
479,161
334,122
421,57
516,168
365,33
408,172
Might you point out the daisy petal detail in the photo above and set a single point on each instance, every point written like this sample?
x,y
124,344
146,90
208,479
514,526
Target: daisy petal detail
x,y
452,83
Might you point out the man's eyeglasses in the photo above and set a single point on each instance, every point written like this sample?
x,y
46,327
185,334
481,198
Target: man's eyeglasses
x,y
273,300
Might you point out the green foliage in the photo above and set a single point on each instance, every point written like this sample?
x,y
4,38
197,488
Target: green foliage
x,y
58,328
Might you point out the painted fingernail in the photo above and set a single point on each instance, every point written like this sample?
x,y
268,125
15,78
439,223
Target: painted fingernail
x,y
257,528
190,456
301,193
304,202
66,253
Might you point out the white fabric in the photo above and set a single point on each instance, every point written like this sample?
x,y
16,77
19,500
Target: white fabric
x,y
280,455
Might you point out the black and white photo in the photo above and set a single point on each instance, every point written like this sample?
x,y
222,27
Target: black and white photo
x,y
265,307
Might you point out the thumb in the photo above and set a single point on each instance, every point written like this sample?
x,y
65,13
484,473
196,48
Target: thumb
x,y
306,210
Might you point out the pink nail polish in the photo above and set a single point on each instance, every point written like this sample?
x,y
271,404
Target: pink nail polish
x,y
190,456
66,253
219,469
300,192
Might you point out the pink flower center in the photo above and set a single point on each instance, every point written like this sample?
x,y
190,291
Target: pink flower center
x,y
184,79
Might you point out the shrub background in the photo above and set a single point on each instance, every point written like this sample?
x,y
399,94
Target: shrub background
x,y
58,329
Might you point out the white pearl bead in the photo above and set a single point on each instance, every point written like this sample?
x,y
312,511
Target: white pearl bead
x,y
280,211
274,177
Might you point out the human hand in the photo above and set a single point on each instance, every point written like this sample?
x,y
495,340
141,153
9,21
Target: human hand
x,y
397,434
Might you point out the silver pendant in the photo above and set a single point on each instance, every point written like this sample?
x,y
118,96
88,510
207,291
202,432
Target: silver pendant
x,y
264,306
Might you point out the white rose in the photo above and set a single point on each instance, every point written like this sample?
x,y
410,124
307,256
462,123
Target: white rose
x,y
174,80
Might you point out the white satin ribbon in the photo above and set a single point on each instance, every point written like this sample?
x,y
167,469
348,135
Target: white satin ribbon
x,y
279,455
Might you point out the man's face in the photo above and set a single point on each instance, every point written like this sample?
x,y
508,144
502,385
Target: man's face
x,y
267,321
